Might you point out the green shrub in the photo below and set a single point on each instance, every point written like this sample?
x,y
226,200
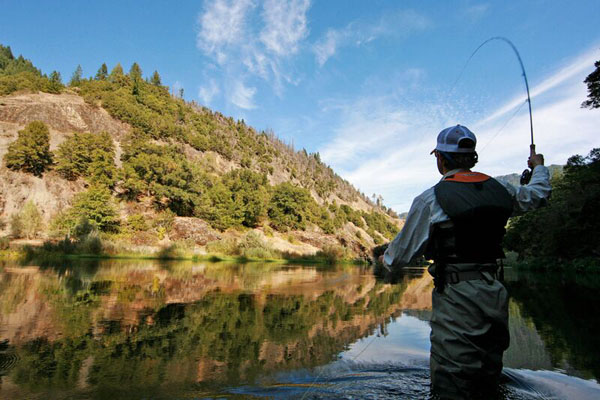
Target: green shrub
x,y
252,245
31,220
162,172
289,207
16,225
88,155
92,210
238,199
137,223
332,254
90,244
4,243
227,246
31,151
380,222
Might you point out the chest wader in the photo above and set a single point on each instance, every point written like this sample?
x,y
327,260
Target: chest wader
x,y
469,325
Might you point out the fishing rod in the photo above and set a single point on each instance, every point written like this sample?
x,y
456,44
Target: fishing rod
x,y
526,175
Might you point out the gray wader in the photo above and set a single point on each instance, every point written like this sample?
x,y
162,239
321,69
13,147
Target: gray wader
x,y
469,324
469,333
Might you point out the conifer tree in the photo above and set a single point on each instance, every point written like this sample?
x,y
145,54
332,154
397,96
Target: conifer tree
x,y
55,84
135,72
102,73
76,77
117,76
155,80
31,151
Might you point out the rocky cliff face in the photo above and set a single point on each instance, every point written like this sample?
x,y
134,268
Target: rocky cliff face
x,y
63,114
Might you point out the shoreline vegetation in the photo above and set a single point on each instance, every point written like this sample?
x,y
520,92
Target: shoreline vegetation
x,y
250,249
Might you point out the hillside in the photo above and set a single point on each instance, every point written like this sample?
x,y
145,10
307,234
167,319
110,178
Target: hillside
x,y
515,179
159,170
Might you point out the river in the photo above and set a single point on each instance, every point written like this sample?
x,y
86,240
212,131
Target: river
x,y
123,329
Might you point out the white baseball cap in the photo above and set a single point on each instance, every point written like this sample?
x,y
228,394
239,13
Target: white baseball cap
x,y
450,138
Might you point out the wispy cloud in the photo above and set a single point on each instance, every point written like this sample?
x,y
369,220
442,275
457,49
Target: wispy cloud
x,y
285,25
382,144
243,96
575,68
208,92
359,33
222,25
475,12
246,50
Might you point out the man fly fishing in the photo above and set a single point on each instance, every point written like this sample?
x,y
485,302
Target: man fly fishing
x,y
459,224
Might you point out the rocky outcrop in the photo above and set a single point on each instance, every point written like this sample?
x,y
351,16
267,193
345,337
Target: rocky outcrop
x,y
193,229
64,113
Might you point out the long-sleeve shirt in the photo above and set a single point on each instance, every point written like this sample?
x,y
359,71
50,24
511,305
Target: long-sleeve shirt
x,y
425,212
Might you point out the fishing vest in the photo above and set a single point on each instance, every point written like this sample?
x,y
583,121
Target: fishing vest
x,y
478,207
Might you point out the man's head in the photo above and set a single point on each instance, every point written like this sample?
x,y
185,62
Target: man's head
x,y
455,149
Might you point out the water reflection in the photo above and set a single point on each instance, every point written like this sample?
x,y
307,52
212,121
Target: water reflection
x,y
123,329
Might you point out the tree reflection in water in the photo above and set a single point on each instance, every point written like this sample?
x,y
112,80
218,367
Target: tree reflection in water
x,y
160,330
147,326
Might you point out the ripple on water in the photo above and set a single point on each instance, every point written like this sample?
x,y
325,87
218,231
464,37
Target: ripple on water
x,y
8,358
345,380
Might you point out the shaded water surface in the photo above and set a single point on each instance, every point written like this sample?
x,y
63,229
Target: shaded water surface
x,y
149,330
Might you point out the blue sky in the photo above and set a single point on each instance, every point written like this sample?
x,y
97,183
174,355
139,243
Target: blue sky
x,y
368,84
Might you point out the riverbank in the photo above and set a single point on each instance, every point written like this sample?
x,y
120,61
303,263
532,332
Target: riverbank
x,y
31,253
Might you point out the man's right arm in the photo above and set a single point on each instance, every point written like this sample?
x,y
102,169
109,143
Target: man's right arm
x,y
533,195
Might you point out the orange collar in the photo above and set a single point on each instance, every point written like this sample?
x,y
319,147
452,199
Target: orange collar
x,y
467,177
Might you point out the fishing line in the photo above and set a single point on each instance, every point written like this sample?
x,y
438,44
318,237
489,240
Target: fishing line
x,y
312,385
502,127
524,74
459,77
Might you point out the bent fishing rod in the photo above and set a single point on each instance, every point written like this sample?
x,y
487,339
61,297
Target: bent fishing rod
x,y
526,175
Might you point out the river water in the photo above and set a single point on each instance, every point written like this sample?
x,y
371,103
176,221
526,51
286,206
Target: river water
x,y
155,330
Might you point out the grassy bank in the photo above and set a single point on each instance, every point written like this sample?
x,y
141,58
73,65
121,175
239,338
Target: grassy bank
x,y
232,252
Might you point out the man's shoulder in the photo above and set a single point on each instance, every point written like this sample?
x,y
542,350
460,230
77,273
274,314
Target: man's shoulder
x,y
427,197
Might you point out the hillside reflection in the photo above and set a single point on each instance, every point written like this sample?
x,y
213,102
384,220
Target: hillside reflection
x,y
123,329
127,325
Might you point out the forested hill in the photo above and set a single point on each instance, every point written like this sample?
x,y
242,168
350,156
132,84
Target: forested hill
x,y
515,179
119,152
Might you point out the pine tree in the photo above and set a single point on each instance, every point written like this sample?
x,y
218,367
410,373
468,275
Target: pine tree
x,y
155,80
135,72
96,205
102,73
117,76
31,151
55,85
76,77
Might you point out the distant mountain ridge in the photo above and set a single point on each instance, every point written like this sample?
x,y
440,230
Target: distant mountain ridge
x,y
515,179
